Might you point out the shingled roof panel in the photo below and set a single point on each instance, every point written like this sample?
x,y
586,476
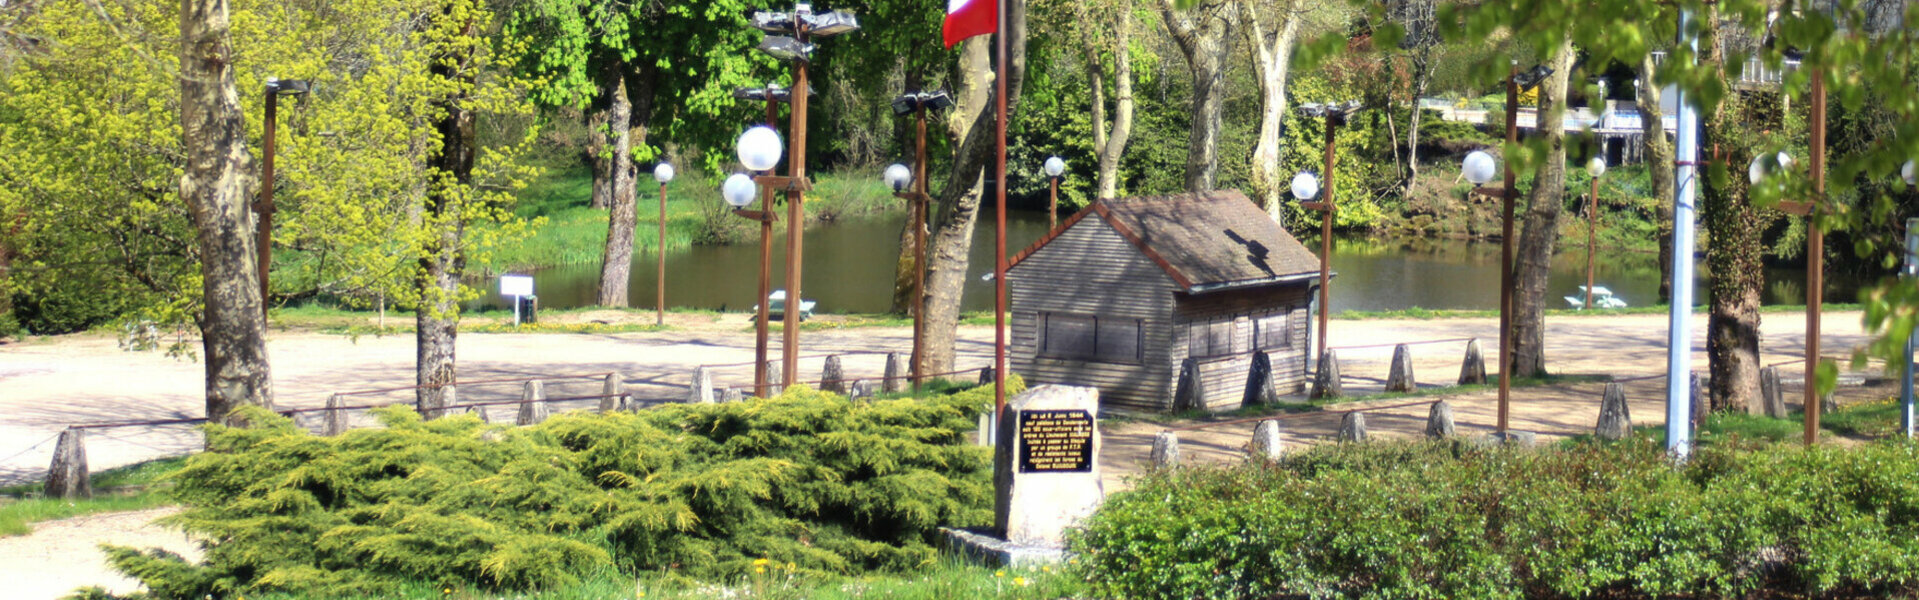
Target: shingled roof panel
x,y
1205,241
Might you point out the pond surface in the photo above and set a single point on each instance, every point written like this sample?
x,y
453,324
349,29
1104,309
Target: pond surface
x,y
849,268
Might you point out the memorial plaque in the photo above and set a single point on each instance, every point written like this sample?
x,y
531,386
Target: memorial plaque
x,y
1055,441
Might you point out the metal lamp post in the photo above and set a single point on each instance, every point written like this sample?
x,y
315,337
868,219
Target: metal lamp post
x,y
1478,167
911,185
760,153
663,174
1335,115
1597,168
772,95
789,38
1908,411
1054,168
263,229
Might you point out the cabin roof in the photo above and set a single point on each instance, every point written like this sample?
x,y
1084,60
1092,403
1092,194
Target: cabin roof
x,y
1205,242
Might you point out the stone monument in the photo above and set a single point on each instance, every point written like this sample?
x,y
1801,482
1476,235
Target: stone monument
x,y
1047,477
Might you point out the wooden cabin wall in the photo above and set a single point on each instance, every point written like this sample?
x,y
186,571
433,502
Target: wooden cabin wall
x,y
1091,270
1223,378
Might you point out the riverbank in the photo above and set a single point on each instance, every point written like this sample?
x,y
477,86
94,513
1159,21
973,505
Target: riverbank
x,y
568,231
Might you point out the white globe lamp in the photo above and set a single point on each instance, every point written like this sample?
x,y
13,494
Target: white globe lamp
x,y
738,190
1305,185
663,173
898,177
759,148
1480,167
1596,167
1055,167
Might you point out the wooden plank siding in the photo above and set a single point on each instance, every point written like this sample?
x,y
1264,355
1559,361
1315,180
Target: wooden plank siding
x,y
1223,378
1090,270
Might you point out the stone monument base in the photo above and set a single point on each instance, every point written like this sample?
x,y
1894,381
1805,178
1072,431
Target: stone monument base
x,y
978,545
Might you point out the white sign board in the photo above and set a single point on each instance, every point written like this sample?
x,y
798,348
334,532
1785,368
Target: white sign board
x,y
516,285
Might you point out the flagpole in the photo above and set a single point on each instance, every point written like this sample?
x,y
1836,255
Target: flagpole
x,y
999,215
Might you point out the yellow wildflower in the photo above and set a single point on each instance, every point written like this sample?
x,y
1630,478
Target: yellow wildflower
x,y
1000,573
1019,581
761,562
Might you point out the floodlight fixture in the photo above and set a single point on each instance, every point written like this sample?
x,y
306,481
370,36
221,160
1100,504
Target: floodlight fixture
x,y
898,177
773,22
1338,112
1305,186
786,48
825,25
289,87
908,102
1531,78
771,92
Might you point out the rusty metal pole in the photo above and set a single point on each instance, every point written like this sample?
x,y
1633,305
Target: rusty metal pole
x,y
1001,58
1326,239
760,325
1592,240
1815,253
660,303
263,230
1506,256
796,220
920,218
1052,206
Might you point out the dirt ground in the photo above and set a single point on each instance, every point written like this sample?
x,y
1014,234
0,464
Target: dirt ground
x,y
48,384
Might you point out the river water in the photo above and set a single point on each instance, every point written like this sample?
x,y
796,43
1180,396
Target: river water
x,y
849,268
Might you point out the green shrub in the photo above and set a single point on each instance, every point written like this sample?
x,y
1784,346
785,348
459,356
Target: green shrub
x,y
1437,520
682,492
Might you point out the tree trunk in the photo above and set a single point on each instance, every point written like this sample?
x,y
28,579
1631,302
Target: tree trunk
x,y
1273,57
1109,140
217,174
1658,162
1204,36
599,148
1733,251
450,168
1422,78
952,236
1535,250
616,262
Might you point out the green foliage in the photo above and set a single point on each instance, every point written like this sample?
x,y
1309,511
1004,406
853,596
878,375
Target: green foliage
x,y
1444,520
682,492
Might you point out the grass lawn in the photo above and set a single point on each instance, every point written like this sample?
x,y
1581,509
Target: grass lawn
x,y
1872,420
1418,313
127,488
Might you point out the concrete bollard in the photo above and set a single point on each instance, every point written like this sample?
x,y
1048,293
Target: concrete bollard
x,y
895,375
1352,427
67,477
1701,399
732,395
1439,421
1259,382
985,427
859,389
611,391
1266,441
1401,379
700,389
335,423
1473,370
1772,396
986,376
1615,419
775,376
1165,450
532,403
1326,380
1188,393
479,411
833,377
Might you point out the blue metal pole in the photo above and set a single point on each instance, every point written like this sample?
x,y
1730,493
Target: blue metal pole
x,y
1906,408
1679,332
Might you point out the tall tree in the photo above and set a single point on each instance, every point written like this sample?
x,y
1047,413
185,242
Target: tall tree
x,y
1204,35
616,164
449,170
1114,45
1658,161
1734,250
1534,255
214,185
1422,39
972,121
1271,26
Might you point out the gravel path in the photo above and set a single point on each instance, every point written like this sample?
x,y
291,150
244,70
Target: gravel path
x,y
62,555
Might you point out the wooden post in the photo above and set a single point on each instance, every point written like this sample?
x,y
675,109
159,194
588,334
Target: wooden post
x,y
1401,379
67,478
532,403
610,393
335,417
833,377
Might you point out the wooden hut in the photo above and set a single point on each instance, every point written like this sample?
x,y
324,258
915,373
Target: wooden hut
x,y
1123,294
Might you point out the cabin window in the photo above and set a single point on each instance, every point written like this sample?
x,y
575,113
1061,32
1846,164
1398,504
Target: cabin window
x,y
1209,339
1081,337
1270,333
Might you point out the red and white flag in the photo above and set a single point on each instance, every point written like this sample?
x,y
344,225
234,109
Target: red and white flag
x,y
968,18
